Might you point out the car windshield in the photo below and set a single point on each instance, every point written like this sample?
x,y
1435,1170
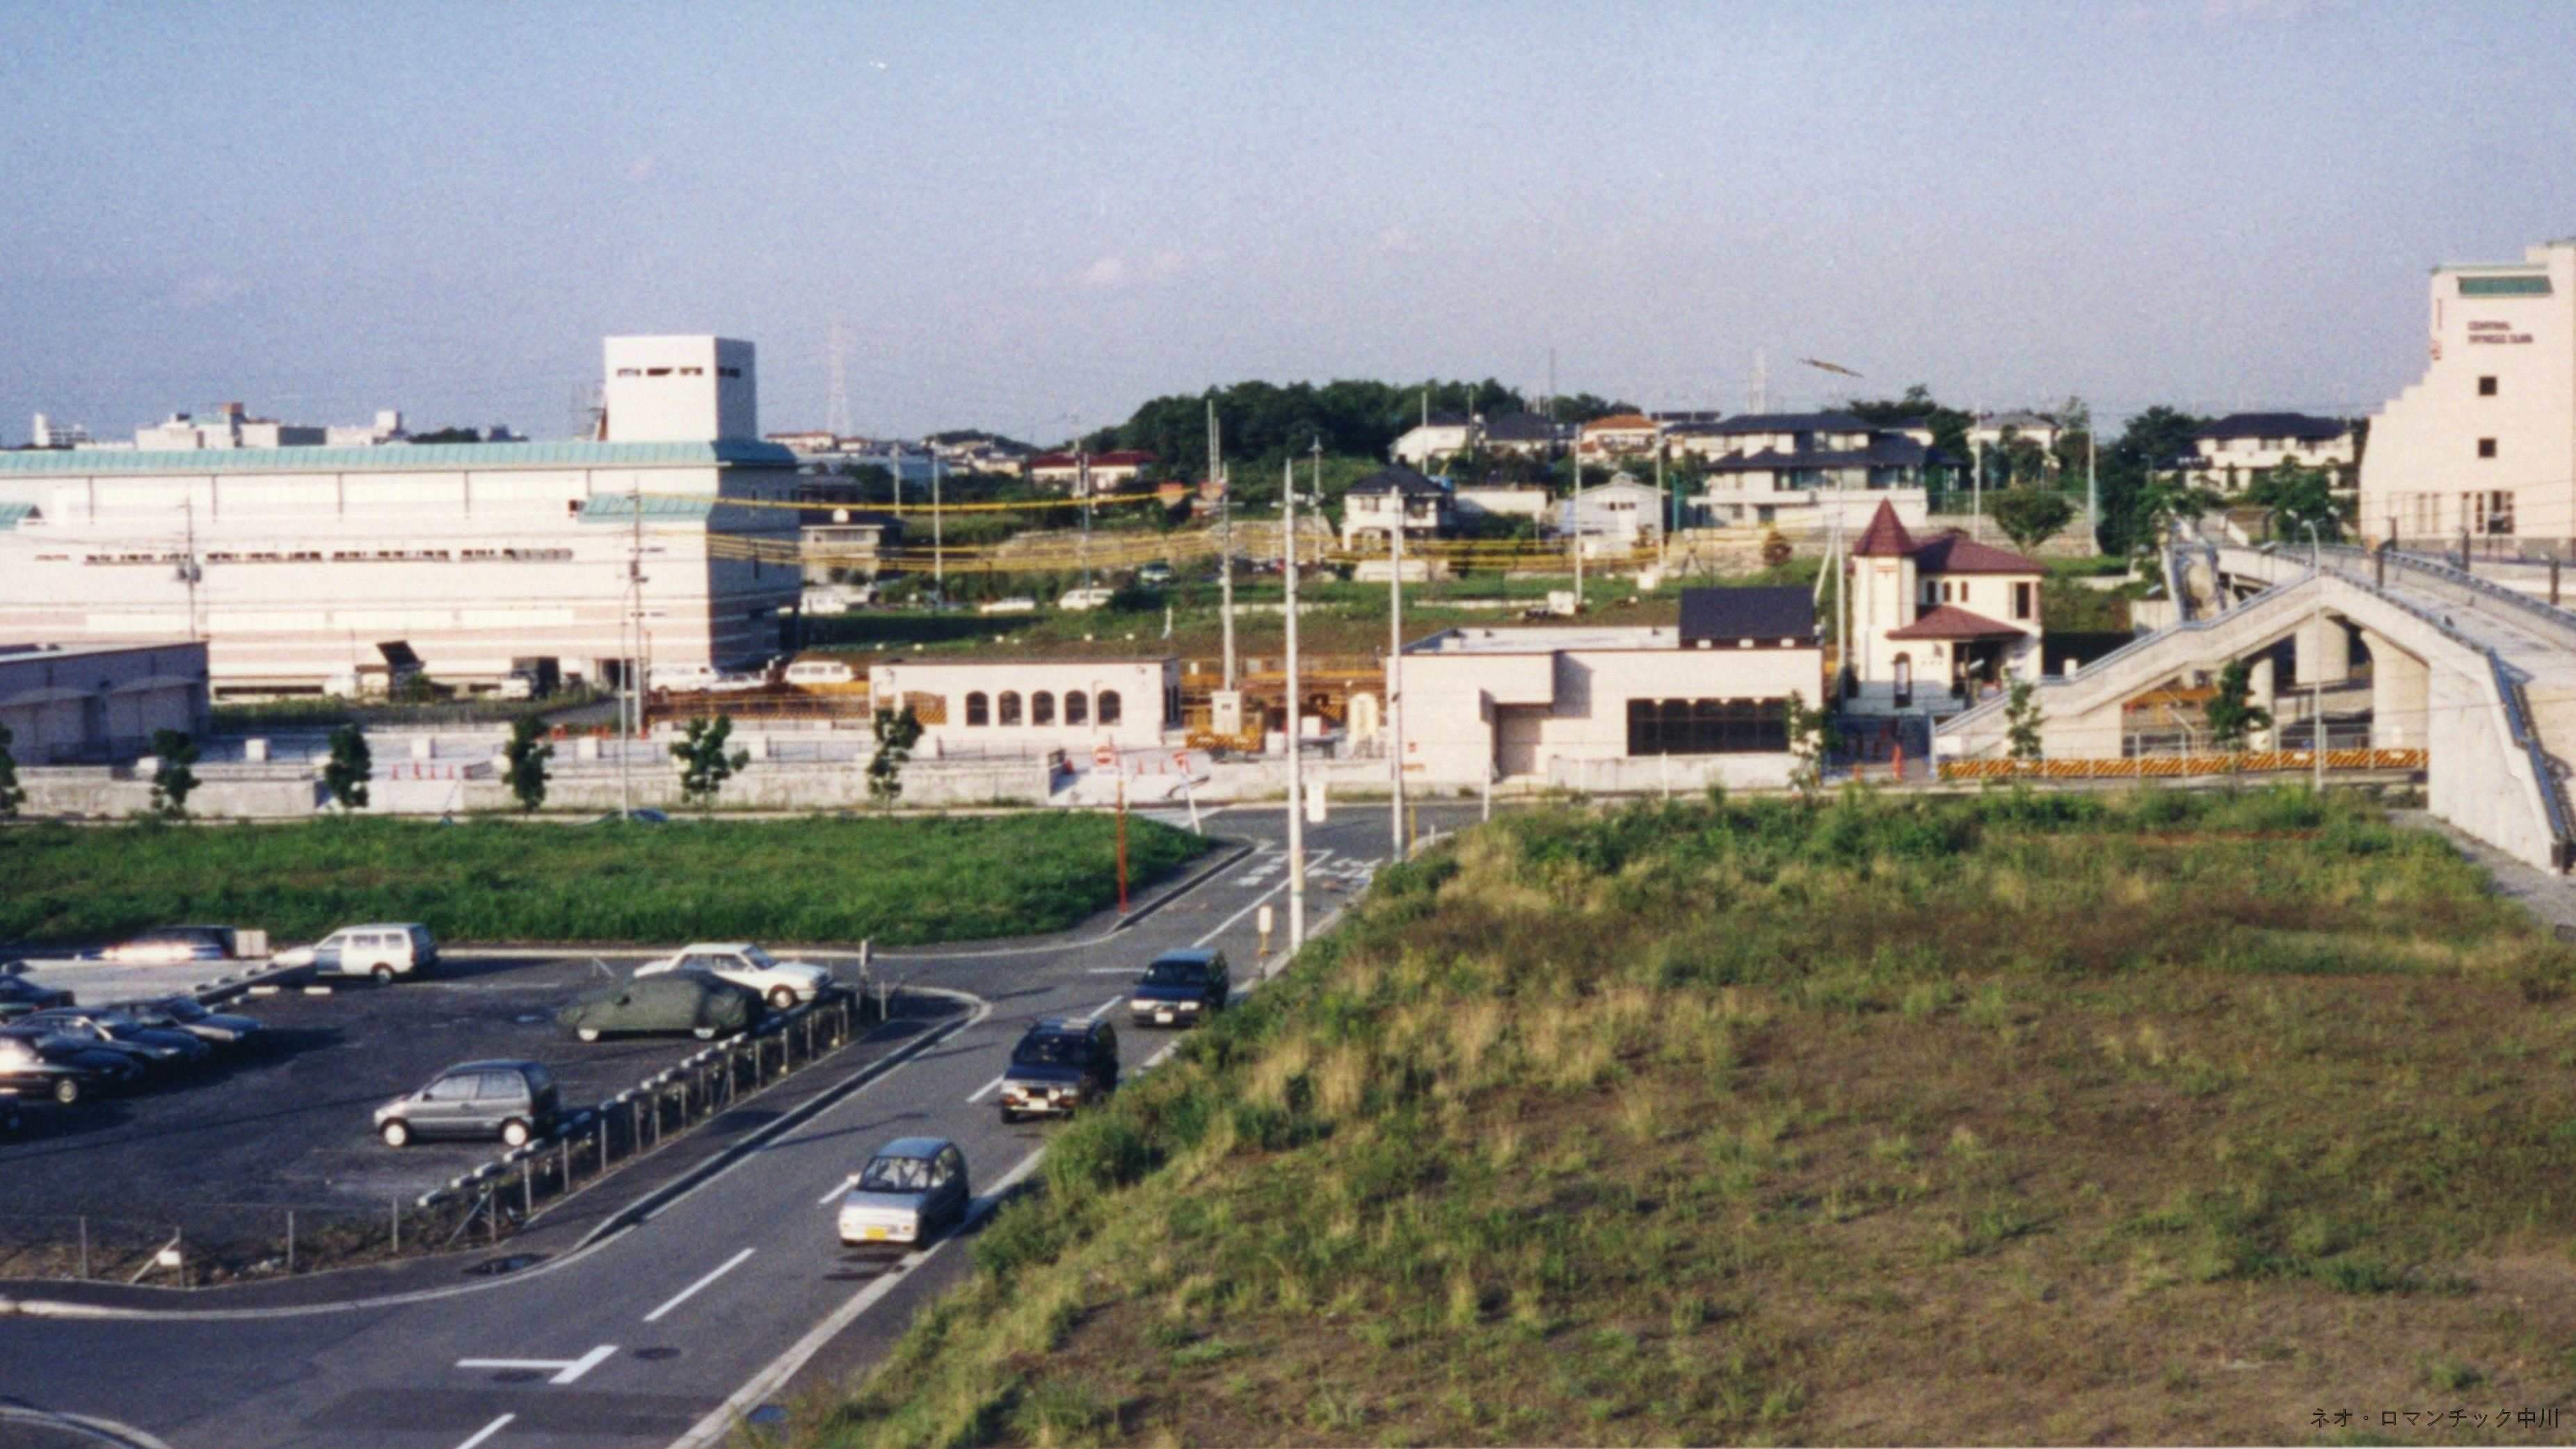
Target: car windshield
x,y
895,1174
1052,1049
1175,973
757,957
180,1008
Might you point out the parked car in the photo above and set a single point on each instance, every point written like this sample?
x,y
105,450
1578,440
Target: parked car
x,y
19,996
644,816
683,677
381,951
912,1187
185,1013
39,1062
1059,1066
1155,575
1181,988
704,1006
514,1101
157,1048
1076,600
1015,604
178,945
783,984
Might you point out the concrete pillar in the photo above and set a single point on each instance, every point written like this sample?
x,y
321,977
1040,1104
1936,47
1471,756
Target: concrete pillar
x,y
255,751
2260,695
2325,651
2400,690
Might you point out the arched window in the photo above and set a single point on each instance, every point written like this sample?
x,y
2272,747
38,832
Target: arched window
x,y
1109,712
1077,707
978,711
1010,707
1042,708
1904,680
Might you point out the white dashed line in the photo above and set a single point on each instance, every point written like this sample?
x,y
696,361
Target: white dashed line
x,y
691,1291
487,1431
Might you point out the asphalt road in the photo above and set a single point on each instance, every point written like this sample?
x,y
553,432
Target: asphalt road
x,y
716,1298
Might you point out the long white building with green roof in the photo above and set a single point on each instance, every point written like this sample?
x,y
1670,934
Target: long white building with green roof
x,y
298,565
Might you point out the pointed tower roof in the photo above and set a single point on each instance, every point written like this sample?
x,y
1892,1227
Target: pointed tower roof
x,y
1885,537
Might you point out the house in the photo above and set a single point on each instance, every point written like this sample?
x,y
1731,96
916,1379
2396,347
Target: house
x,y
1434,440
1616,516
1803,470
1098,472
842,543
1526,435
1948,613
1992,431
1620,435
2238,449
1482,503
1032,706
1636,707
1373,505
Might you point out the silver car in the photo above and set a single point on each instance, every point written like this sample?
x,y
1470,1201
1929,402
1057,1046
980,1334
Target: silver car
x,y
909,1190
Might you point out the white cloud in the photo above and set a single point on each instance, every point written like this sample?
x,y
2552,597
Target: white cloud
x,y
1106,272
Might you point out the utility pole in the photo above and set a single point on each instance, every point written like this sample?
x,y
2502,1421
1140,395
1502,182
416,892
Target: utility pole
x,y
1574,522
189,570
1296,779
1842,600
1225,538
1672,512
629,715
1977,487
2317,676
938,560
2092,488
1395,672
1082,483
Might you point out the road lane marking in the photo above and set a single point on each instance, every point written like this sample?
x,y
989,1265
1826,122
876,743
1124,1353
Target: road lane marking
x,y
574,1370
1313,867
984,1091
488,1430
1107,1007
691,1291
567,1370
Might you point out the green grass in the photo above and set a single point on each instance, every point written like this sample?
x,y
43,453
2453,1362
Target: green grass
x,y
812,881
2018,1117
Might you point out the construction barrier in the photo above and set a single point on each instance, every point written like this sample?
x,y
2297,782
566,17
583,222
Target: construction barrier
x,y
2170,766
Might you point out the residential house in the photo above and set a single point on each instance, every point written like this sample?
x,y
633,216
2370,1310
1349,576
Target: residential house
x,y
845,543
1801,470
1526,435
1374,504
1992,430
1436,439
2237,449
1614,517
1480,503
1100,472
1937,621
1620,435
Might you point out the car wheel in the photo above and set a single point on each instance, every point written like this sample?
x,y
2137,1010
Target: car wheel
x,y
66,1090
782,999
514,1134
384,975
586,1033
397,1134
703,1033
1010,1118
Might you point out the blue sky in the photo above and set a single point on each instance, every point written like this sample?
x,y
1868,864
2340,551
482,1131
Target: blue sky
x,y
1023,215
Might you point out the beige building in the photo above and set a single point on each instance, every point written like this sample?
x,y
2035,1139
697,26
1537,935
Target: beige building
x,y
1373,505
2486,441
98,702
2240,448
1934,622
1621,435
1613,707
1030,706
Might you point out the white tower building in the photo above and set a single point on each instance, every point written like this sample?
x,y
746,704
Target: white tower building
x,y
680,390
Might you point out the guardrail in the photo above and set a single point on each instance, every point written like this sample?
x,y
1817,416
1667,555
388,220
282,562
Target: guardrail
x,y
2517,718
2171,766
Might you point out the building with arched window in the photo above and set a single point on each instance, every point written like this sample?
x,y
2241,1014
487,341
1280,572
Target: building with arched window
x,y
1019,706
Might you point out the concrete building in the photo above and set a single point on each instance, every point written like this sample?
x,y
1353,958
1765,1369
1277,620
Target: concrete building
x,y
1617,708
1618,515
95,703
1994,430
1620,435
1099,472
1935,621
229,426
1373,504
2486,441
1030,706
298,565
1436,439
1799,470
2240,448
1525,435
1479,502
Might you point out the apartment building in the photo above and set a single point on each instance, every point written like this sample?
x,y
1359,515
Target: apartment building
x,y
2234,451
1803,470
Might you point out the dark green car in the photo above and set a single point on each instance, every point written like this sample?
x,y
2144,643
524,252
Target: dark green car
x,y
706,1007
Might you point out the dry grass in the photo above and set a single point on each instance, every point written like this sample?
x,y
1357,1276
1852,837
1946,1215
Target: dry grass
x,y
1987,1121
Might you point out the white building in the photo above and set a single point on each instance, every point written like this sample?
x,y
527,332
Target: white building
x,y
1935,621
1799,470
1526,435
1030,706
296,564
1373,504
1474,502
1096,472
680,390
1620,435
98,702
2486,441
1435,440
2237,449
1993,430
230,426
1617,708
1620,514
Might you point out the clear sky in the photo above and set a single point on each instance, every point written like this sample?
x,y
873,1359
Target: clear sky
x,y
1023,215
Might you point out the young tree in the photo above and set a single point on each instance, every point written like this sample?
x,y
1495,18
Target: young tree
x,y
1811,738
527,753
2297,497
704,765
12,794
897,733
2022,719
345,773
172,780
2032,515
2233,716
1776,549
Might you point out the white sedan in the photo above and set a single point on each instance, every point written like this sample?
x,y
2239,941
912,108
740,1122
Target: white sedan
x,y
783,984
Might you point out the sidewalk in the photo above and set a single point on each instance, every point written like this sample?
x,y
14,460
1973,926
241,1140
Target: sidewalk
x,y
2551,898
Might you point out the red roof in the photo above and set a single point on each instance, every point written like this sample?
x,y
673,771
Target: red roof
x,y
1949,621
1956,553
1885,537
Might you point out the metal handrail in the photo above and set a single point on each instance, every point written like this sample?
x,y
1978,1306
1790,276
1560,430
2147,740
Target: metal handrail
x,y
2518,723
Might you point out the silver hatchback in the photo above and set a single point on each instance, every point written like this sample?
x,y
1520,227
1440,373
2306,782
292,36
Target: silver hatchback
x,y
910,1189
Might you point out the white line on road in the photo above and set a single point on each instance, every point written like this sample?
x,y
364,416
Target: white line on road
x,y
691,1291
574,1370
1228,923
1107,1007
487,1431
567,1370
984,1091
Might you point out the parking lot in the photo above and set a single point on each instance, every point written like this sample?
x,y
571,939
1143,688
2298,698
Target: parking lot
x,y
286,1120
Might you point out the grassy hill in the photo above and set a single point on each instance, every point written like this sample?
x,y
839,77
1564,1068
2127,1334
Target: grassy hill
x,y
2032,1118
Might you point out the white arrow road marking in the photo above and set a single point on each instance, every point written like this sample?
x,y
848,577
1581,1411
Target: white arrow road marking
x,y
567,1370
691,1291
488,1430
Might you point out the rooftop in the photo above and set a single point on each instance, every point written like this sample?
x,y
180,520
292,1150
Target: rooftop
x,y
1548,639
1749,613
396,458
2303,426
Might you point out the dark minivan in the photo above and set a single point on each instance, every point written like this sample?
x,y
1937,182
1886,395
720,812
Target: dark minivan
x,y
1180,988
1062,1064
514,1101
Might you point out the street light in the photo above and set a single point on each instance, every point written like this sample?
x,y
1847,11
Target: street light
x,y
2316,669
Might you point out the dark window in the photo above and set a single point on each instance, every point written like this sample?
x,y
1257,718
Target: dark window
x,y
1042,708
1077,707
2486,387
2021,601
1707,727
1109,708
2486,447
1010,707
978,709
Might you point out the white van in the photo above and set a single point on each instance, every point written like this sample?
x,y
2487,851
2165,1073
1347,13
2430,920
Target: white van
x,y
381,951
823,673
1086,598
681,676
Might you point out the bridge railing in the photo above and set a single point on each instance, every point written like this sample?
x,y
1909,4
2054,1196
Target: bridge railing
x,y
2517,717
